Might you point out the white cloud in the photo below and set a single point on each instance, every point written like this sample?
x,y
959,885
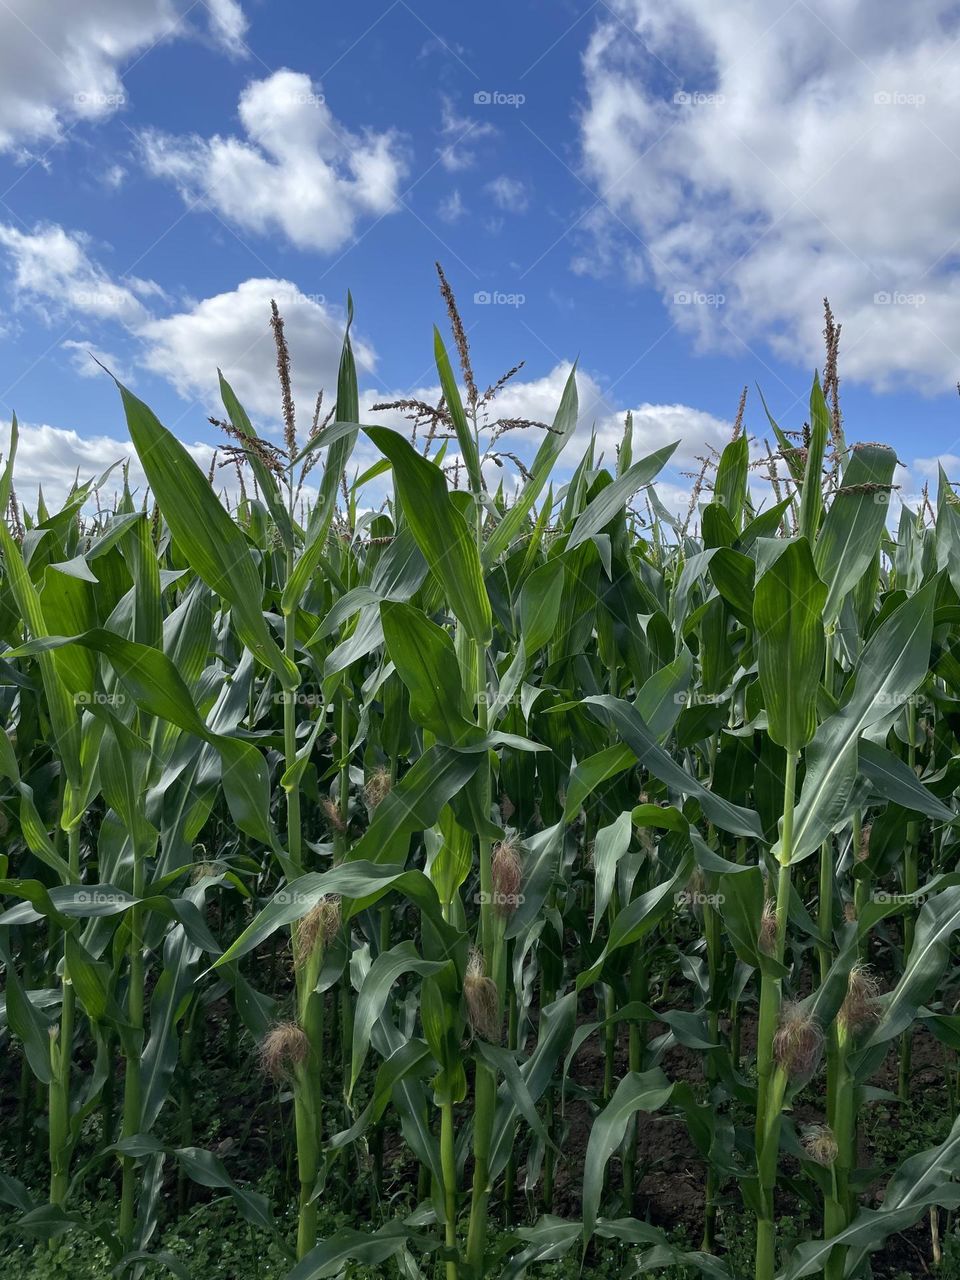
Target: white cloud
x,y
920,475
460,136
114,177
53,271
232,331
54,458
600,410
657,425
509,194
298,170
451,208
60,63
84,356
52,267
772,153
228,24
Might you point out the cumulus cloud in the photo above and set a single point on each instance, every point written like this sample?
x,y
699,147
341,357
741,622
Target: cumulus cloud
x,y
52,266
232,331
54,459
52,269
297,170
63,63
767,154
601,413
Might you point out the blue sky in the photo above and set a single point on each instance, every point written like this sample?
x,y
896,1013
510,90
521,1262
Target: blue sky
x,y
665,192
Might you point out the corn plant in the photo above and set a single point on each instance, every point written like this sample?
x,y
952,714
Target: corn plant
x,y
401,791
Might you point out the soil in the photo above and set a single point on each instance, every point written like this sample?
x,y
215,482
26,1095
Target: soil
x,y
671,1191
670,1173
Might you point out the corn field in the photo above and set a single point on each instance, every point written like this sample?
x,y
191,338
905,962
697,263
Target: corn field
x,y
409,810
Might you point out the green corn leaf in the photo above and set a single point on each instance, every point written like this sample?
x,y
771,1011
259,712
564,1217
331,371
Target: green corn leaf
x,y
27,1021
592,773
213,544
448,546
730,484
461,426
616,495
415,803
811,499
540,599
638,918
938,921
853,527
893,664
266,479
551,1238
630,725
360,882
896,781
338,455
206,1169
369,1249
610,844
375,991
869,1229
637,1091
733,575
426,661
765,525
156,686
664,695
64,716
787,614
552,445
412,1059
